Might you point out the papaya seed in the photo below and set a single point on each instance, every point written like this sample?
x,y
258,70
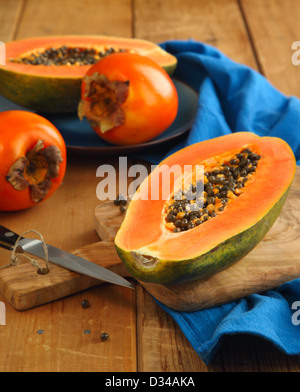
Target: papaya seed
x,y
65,56
222,184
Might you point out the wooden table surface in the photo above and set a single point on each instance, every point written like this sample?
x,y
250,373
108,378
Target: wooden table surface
x,y
142,337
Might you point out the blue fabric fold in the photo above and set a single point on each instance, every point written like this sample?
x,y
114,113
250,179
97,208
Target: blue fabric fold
x,y
234,98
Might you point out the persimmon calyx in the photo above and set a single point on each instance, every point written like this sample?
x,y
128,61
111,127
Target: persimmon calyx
x,y
36,170
102,100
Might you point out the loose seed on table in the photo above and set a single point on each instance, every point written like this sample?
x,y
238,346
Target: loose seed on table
x,y
85,303
104,336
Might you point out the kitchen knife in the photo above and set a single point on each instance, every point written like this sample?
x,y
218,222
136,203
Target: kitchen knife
x,y
60,257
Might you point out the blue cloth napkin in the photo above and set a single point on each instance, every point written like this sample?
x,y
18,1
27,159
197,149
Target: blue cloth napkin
x,y
233,98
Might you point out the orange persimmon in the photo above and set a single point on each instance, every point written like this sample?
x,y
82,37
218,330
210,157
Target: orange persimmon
x,y
33,159
128,99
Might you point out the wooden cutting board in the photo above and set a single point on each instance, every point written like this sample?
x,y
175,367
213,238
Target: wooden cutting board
x,y
274,261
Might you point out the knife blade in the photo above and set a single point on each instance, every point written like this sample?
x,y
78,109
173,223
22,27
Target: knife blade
x,y
60,257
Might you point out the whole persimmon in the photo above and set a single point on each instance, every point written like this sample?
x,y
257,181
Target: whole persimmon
x,y
128,99
33,159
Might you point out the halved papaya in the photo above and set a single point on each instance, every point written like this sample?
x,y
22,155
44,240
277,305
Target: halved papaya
x,y
205,223
45,73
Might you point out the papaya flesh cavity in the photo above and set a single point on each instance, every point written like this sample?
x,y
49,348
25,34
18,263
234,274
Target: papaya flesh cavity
x,y
45,73
64,55
205,225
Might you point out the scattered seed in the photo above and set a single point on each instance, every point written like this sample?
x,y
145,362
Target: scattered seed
x,y
104,336
85,303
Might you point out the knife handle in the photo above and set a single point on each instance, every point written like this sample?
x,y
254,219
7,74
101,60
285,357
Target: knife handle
x,y
7,238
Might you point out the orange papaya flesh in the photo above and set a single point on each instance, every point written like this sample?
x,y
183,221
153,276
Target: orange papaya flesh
x,y
56,88
152,248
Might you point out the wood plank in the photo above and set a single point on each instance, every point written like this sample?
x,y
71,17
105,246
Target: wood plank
x,y
24,288
63,336
274,25
162,345
57,17
9,18
218,23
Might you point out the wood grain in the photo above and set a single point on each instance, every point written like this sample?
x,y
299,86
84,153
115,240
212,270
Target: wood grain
x,y
62,336
162,345
57,17
9,18
218,23
24,288
274,26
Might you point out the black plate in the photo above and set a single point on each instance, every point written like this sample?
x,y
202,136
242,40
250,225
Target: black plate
x,y
80,137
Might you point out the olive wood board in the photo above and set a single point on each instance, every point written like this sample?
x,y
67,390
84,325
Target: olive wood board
x,y
274,261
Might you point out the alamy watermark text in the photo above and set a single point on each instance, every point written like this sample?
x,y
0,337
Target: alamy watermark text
x,y
165,182
2,53
296,55
2,313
